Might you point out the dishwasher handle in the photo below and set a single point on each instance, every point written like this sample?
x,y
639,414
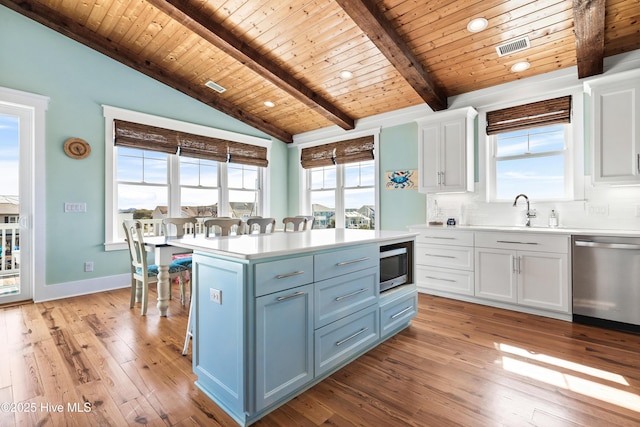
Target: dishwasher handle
x,y
591,244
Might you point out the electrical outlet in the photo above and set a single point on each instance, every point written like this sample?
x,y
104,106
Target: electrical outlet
x,y
597,210
88,266
215,295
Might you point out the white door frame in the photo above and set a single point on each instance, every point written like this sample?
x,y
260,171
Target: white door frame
x,y
31,109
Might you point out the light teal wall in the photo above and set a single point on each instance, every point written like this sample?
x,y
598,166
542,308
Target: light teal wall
x,y
78,81
399,151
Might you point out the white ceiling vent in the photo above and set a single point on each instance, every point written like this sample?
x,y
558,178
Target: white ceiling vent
x,y
214,86
513,46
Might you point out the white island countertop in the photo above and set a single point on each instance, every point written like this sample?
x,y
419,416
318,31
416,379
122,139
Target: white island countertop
x,y
257,246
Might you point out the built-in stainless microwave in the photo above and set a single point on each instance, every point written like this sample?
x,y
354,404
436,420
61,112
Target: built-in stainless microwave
x,y
394,266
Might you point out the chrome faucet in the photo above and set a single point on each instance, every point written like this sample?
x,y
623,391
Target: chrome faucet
x,y
530,213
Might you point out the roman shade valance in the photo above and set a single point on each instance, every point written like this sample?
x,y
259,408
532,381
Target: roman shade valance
x,y
337,153
536,114
145,137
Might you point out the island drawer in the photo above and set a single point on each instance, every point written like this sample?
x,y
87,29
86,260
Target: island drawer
x,y
340,341
275,276
336,298
339,262
397,313
445,256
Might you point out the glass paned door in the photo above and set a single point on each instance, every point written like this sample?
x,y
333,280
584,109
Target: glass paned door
x,y
14,134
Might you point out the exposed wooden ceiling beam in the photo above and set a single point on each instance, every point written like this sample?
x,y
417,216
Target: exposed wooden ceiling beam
x,y
372,21
64,25
588,22
189,16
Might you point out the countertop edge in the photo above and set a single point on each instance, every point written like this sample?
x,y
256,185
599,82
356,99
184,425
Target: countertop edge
x,y
536,230
216,246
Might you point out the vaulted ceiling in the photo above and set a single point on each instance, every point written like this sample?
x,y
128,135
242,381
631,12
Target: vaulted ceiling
x,y
401,53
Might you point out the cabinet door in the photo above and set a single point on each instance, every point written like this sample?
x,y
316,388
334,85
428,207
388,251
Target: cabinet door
x,y
453,156
616,118
284,343
429,163
496,274
543,280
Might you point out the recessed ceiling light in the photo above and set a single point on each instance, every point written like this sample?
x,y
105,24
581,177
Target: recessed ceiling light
x,y
477,24
346,74
269,104
520,66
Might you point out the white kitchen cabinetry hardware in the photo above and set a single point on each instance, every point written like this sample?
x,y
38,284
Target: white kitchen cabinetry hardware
x,y
446,151
615,112
444,261
525,269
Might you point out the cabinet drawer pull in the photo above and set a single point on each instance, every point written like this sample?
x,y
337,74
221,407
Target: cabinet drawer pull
x,y
293,295
440,256
516,243
351,294
439,278
638,164
351,337
439,238
353,261
400,313
284,276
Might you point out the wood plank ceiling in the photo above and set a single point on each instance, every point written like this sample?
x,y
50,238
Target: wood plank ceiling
x,y
401,53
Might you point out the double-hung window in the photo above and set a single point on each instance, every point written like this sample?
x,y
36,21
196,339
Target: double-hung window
x,y
340,184
156,172
530,151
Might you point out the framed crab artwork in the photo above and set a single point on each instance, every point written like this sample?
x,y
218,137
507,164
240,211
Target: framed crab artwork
x,y
401,179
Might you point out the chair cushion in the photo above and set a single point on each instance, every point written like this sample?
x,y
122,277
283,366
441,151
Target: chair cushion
x,y
174,267
183,261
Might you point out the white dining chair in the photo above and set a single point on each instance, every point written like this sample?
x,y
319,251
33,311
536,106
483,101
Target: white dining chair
x,y
222,226
262,225
297,223
142,273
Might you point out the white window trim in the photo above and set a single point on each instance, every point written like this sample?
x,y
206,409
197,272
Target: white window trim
x,y
574,184
305,194
111,113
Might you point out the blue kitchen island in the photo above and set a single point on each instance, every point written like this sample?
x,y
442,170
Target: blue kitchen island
x,y
275,314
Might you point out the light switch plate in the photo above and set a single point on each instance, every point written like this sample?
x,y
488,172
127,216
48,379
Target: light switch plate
x,y
215,295
75,207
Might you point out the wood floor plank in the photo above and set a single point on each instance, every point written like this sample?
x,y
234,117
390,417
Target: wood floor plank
x,y
458,364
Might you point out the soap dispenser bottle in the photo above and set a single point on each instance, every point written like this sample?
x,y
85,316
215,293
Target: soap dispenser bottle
x,y
553,219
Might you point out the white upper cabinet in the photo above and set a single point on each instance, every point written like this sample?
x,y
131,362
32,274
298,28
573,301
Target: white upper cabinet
x,y
615,130
446,153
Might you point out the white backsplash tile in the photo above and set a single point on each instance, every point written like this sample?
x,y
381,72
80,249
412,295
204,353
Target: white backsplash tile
x,y
614,208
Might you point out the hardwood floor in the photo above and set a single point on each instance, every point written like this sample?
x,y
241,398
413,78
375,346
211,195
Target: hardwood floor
x,y
457,364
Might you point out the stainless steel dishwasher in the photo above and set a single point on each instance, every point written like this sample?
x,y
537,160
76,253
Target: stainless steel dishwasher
x,y
606,281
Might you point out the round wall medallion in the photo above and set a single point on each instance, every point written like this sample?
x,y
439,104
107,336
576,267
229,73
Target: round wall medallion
x,y
77,148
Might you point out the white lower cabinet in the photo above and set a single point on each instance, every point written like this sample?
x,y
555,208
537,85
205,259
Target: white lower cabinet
x,y
527,271
508,269
444,261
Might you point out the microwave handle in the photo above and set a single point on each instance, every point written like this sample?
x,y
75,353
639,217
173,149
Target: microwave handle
x,y
393,252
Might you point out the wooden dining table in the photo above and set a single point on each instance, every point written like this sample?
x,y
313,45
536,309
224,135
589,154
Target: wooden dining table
x,y
163,252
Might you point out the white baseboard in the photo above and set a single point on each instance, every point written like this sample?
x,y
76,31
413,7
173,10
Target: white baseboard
x,y
81,287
